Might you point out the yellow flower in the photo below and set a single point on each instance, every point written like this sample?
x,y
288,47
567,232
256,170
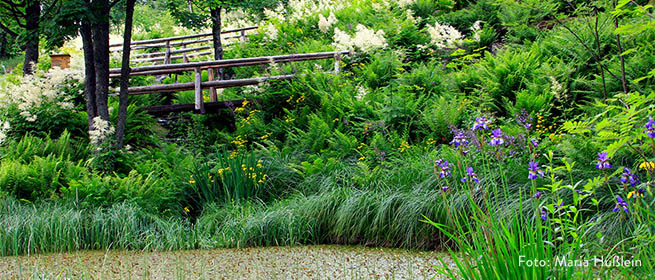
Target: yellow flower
x,y
187,209
635,194
648,165
290,98
361,158
192,181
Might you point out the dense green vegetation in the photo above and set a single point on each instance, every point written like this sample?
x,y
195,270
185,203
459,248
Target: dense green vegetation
x,y
493,129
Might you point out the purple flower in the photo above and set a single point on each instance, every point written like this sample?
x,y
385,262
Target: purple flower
x,y
534,142
650,130
496,137
444,169
524,119
628,176
480,123
620,203
460,139
470,174
445,188
537,195
544,213
603,161
534,171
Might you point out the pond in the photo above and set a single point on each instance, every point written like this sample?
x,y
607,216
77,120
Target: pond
x,y
294,262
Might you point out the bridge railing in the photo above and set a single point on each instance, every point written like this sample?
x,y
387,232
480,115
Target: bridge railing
x,y
170,43
197,67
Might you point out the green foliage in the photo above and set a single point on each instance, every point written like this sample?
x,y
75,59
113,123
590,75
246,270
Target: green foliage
x,y
234,177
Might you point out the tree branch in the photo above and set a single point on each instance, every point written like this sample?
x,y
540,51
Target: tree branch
x,y
6,29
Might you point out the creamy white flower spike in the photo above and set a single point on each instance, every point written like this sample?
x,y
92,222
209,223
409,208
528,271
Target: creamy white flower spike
x,y
36,92
324,24
444,36
365,39
4,129
476,28
101,131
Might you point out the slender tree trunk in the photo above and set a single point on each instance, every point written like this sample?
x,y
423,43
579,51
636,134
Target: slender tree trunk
x,y
216,36
188,2
100,34
32,16
89,72
125,74
3,44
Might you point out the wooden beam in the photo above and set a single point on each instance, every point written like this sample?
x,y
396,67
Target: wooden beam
x,y
200,106
226,63
173,51
157,59
213,97
177,38
168,88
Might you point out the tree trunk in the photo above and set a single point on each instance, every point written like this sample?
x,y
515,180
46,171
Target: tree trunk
x,y
32,16
216,36
3,45
188,2
125,74
89,72
100,34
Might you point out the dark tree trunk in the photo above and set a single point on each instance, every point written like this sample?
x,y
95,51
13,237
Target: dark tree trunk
x,y
89,72
100,32
125,74
3,44
216,36
32,16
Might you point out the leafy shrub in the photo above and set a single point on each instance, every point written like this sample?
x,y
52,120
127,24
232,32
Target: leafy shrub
x,y
41,178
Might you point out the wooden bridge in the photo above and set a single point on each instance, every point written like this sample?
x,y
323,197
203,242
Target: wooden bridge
x,y
198,85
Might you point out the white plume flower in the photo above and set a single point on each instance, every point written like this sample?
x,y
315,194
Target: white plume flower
x,y
101,131
324,24
444,35
4,129
365,39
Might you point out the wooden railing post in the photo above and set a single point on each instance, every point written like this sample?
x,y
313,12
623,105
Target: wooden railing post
x,y
167,56
243,35
184,57
200,103
337,60
213,97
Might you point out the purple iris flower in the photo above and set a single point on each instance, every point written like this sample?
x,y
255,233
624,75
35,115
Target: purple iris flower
x,y
537,195
628,176
524,119
445,188
603,161
470,174
650,129
480,123
444,167
534,142
544,213
497,137
534,171
620,203
460,139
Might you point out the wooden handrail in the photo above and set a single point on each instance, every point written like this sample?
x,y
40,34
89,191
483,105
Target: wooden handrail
x,y
226,63
167,88
176,38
